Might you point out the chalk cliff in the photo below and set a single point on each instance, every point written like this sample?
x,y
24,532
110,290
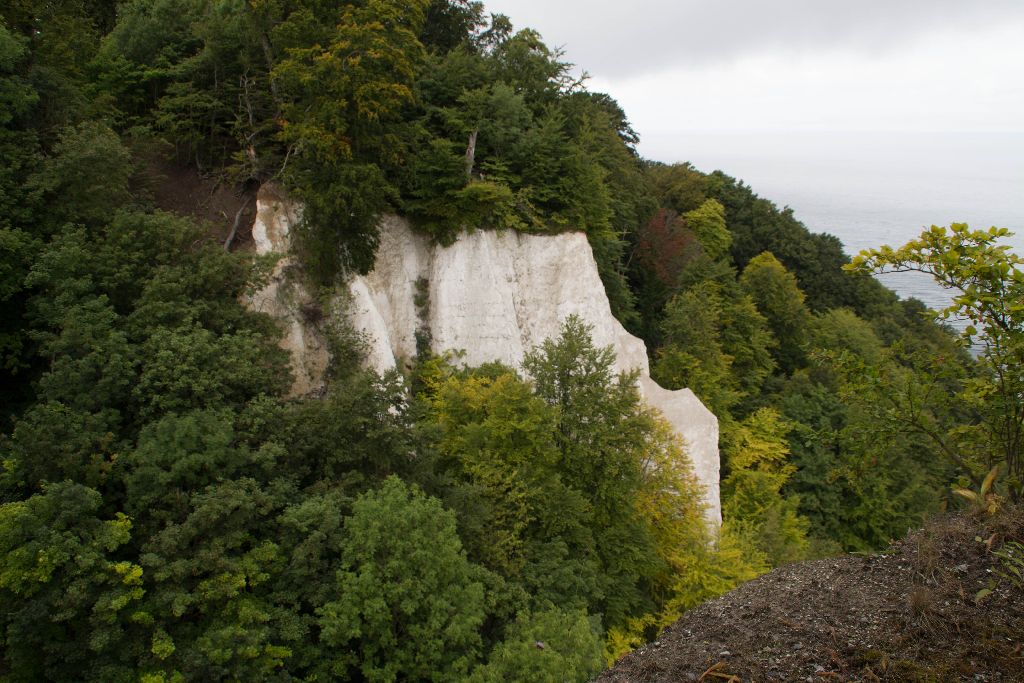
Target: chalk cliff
x,y
284,298
492,295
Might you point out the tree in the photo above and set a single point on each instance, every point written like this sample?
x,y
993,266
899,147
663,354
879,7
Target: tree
x,y
594,410
840,329
495,440
707,221
450,23
698,562
757,225
535,68
680,187
461,176
879,429
777,296
123,311
758,467
343,118
693,356
602,434
343,94
409,604
815,413
549,646
716,343
66,595
663,245
987,284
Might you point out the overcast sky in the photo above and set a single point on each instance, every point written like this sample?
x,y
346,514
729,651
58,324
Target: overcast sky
x,y
730,65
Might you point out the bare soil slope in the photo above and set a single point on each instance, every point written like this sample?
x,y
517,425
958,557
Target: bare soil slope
x,y
934,607
181,189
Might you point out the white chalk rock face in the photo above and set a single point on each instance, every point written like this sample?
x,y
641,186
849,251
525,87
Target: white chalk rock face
x,y
285,299
492,296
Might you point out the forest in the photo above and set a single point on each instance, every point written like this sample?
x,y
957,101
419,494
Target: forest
x,y
167,513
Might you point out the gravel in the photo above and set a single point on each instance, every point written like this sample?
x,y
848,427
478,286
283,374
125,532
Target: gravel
x,y
920,611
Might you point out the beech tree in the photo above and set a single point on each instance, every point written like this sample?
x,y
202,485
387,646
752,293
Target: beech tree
x,y
758,468
60,580
409,604
547,646
692,355
707,221
496,441
601,433
987,284
716,343
342,119
777,296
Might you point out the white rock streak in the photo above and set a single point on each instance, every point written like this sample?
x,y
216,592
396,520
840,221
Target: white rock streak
x,y
283,298
492,296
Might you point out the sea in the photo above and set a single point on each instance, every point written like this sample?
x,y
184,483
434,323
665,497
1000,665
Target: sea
x,y
870,188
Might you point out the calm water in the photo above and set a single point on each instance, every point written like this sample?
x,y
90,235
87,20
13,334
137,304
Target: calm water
x,y
870,189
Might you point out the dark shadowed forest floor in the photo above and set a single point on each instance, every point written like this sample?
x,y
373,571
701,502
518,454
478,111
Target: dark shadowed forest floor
x,y
936,606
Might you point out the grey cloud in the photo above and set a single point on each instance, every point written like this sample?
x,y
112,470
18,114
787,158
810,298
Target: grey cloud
x,y
622,39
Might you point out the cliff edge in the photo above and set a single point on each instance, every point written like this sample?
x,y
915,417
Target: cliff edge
x,y
492,296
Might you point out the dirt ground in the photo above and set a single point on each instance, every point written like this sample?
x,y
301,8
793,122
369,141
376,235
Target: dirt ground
x,y
183,190
934,607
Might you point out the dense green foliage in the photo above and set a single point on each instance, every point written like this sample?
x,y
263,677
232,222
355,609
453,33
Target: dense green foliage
x,y
988,286
167,513
775,324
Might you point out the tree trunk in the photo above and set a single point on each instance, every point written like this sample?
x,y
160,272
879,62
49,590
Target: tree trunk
x,y
238,220
471,153
268,52
268,57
